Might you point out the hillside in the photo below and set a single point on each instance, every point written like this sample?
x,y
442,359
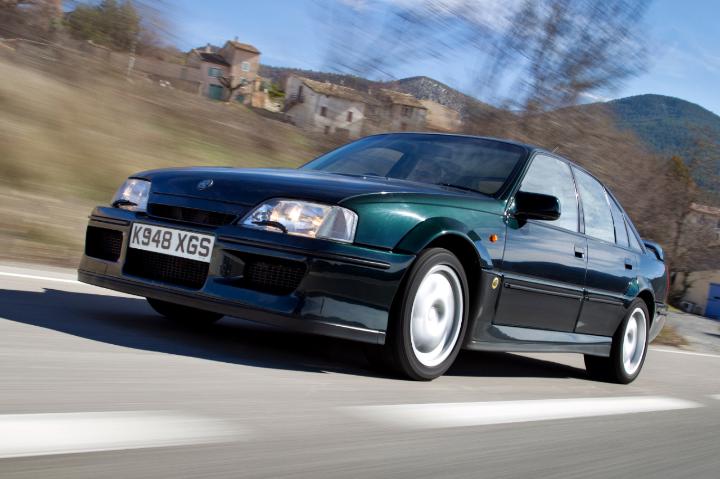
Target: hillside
x,y
423,88
426,88
668,126
671,126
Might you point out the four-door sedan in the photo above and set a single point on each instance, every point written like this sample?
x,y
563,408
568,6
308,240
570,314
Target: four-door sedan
x,y
416,244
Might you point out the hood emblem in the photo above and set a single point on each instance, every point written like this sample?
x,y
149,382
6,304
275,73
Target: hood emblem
x,y
204,184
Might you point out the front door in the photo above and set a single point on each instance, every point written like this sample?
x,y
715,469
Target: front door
x,y
713,306
544,261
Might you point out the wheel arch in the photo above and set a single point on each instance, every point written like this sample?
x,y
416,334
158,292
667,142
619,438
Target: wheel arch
x,y
649,299
453,236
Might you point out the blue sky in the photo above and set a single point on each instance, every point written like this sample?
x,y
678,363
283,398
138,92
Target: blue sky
x,y
684,38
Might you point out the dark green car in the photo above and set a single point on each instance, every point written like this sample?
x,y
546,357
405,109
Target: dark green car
x,y
416,244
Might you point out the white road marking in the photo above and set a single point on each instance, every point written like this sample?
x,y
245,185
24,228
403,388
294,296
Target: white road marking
x,y
41,278
716,396
431,416
689,353
24,435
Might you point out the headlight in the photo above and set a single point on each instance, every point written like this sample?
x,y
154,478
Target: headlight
x,y
132,195
301,218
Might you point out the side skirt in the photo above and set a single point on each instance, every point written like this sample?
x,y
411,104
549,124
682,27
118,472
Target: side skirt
x,y
528,340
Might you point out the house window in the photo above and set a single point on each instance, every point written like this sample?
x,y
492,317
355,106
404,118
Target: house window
x,y
327,129
245,66
349,116
215,72
323,111
406,111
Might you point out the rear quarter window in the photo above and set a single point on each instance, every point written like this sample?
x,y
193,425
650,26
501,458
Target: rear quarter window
x,y
634,241
621,233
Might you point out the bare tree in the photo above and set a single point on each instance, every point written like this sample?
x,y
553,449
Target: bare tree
x,y
232,84
555,52
532,55
35,19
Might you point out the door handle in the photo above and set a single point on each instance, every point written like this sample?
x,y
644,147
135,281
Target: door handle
x,y
628,263
579,251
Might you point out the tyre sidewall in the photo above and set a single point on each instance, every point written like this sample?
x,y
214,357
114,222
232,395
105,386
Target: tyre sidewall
x,y
403,349
616,353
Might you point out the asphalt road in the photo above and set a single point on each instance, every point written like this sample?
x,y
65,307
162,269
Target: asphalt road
x,y
94,384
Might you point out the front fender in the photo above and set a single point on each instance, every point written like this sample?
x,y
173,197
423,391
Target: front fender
x,y
431,229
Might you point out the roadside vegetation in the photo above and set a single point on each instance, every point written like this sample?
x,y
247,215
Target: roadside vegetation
x,y
71,132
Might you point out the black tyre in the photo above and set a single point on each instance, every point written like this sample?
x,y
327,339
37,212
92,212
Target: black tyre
x,y
429,318
628,351
184,314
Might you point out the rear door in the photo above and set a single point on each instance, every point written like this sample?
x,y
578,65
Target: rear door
x,y
612,262
544,261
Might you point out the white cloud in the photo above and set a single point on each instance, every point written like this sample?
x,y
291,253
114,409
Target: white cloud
x,y
588,97
493,14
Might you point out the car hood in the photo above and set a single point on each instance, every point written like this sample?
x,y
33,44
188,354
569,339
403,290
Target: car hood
x,y
252,186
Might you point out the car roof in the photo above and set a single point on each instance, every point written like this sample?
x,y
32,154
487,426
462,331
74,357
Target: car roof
x,y
459,135
527,146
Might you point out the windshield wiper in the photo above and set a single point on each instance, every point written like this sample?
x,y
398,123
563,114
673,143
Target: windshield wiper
x,y
459,187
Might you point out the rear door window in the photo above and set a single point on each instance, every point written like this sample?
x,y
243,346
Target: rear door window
x,y
596,209
634,242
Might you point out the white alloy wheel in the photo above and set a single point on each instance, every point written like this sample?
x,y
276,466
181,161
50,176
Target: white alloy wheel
x,y
437,315
634,340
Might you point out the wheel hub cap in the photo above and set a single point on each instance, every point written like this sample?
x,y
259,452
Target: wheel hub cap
x,y
634,341
436,316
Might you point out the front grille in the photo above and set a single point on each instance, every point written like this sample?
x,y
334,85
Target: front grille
x,y
168,269
103,243
272,275
190,215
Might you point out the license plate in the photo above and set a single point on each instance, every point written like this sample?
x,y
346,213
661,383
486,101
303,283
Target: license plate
x,y
185,244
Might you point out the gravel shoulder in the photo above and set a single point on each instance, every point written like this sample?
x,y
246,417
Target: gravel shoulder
x,y
702,334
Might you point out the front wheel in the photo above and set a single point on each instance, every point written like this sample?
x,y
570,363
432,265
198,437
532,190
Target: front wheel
x,y
629,347
184,314
430,319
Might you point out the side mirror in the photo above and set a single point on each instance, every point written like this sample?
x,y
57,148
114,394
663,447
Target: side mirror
x,y
655,248
536,206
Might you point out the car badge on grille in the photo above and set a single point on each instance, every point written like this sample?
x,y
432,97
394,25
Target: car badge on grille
x,y
205,184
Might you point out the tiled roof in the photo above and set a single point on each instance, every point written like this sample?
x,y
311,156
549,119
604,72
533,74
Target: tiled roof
x,y
244,46
211,48
339,91
213,58
705,209
399,98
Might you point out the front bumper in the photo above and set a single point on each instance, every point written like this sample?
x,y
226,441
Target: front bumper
x,y
346,290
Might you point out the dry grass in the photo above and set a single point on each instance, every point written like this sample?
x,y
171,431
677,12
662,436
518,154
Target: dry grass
x,y
670,337
71,133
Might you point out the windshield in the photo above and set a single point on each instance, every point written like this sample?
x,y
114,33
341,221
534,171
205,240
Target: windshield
x,y
465,163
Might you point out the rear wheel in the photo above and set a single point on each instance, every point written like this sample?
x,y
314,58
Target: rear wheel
x,y
426,330
629,347
184,314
